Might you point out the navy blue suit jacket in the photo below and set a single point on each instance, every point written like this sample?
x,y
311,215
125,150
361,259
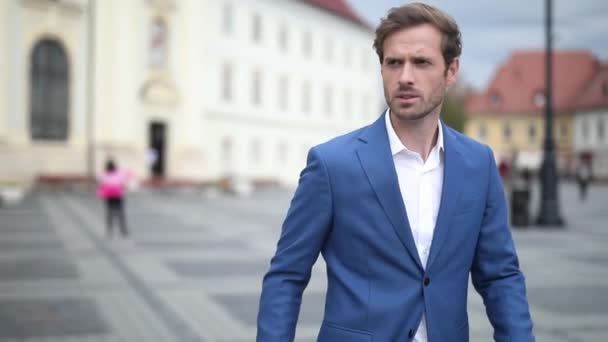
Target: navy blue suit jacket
x,y
349,208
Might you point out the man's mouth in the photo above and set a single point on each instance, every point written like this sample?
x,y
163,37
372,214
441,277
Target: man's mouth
x,y
406,97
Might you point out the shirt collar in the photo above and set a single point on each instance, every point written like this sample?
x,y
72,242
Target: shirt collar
x,y
396,144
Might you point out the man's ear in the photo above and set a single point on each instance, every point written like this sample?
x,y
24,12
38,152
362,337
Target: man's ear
x,y
452,72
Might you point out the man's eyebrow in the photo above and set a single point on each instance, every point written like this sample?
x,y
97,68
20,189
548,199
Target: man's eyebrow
x,y
422,58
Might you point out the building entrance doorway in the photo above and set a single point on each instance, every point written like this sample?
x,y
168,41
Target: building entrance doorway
x,y
157,134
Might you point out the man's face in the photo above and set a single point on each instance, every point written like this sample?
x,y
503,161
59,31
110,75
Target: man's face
x,y
414,72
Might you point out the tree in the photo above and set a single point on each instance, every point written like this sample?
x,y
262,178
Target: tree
x,y
452,112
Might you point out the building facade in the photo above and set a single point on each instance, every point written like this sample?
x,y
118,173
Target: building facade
x,y
591,124
509,114
185,90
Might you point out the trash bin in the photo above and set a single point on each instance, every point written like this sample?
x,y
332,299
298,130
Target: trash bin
x,y
520,203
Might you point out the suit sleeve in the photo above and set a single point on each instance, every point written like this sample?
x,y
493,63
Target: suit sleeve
x,y
495,272
303,233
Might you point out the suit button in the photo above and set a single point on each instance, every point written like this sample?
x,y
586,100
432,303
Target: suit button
x,y
427,281
411,333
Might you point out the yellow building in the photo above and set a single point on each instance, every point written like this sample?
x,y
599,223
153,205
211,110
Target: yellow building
x,y
509,114
521,135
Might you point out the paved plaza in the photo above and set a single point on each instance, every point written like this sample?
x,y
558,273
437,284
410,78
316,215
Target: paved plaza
x,y
192,269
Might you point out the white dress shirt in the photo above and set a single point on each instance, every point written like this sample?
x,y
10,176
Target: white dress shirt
x,y
420,183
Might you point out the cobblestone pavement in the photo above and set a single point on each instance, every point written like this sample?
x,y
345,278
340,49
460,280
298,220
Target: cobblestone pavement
x,y
192,268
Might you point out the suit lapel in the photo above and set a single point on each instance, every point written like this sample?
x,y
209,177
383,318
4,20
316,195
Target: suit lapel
x,y
450,194
377,161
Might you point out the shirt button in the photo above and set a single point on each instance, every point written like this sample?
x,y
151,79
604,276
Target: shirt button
x,y
411,333
427,281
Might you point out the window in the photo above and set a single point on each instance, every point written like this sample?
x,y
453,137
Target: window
x,y
227,83
329,97
282,152
256,152
226,154
49,93
227,19
365,60
256,88
348,103
531,132
539,99
307,45
495,100
256,28
564,129
482,132
283,93
584,129
506,132
283,38
348,56
366,111
306,106
328,51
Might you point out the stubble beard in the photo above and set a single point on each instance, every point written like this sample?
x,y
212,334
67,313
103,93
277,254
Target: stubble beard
x,y
410,113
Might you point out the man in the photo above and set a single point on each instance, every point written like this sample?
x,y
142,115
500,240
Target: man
x,y
403,211
583,176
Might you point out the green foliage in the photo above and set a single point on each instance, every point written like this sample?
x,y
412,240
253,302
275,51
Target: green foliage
x,y
452,112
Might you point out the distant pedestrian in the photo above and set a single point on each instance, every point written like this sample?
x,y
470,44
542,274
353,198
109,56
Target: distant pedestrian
x,y
521,189
504,169
111,189
583,177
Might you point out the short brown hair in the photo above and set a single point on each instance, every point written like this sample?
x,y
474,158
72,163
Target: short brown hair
x,y
415,14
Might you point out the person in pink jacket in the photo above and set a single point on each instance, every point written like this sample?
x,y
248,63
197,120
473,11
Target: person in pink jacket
x,y
111,189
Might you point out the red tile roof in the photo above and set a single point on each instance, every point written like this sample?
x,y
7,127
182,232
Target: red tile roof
x,y
340,8
595,95
522,78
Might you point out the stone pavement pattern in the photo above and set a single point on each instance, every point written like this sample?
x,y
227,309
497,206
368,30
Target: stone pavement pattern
x,y
192,270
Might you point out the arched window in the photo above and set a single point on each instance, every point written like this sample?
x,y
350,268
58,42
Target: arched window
x,y
506,132
539,99
49,93
495,100
483,131
227,154
159,41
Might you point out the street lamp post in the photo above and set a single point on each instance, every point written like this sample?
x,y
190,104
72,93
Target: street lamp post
x,y
90,145
549,206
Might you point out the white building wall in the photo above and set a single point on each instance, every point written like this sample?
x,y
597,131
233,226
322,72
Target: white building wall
x,y
186,95
590,121
188,34
243,122
118,74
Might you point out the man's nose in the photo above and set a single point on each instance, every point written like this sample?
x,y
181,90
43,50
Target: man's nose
x,y
406,77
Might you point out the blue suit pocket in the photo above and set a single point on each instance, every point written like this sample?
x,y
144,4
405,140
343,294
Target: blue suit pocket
x,y
463,331
334,333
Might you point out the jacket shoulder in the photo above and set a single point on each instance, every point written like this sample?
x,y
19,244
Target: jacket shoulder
x,y
467,145
339,145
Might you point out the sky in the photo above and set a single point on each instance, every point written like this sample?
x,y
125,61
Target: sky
x,y
492,29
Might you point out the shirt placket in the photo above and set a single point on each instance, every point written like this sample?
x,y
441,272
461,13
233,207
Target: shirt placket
x,y
424,217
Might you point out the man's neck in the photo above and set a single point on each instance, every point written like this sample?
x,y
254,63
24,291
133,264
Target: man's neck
x,y
418,136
